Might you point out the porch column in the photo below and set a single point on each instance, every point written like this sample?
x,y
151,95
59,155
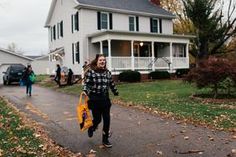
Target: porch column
x,y
109,54
101,47
153,57
187,54
171,57
132,55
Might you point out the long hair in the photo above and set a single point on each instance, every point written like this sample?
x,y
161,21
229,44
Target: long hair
x,y
93,64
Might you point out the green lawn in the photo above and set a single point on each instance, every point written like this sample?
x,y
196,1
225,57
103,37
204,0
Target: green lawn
x,y
172,97
16,139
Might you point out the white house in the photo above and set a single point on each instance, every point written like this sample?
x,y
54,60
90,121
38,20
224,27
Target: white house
x,y
8,58
133,34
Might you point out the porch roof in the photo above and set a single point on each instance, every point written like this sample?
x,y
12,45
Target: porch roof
x,y
138,36
59,51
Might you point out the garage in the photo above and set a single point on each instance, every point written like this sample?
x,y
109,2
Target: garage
x,y
8,58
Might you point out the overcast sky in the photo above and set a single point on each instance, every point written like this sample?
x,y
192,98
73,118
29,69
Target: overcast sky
x,y
22,22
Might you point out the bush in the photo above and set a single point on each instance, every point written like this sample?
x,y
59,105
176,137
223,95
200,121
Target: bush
x,y
215,73
181,72
159,75
130,76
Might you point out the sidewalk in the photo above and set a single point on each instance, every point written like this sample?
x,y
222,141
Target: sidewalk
x,y
135,133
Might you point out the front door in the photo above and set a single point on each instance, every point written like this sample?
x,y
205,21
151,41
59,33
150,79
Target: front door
x,y
145,50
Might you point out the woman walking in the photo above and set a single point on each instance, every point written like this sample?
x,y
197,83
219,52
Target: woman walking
x,y
27,78
98,80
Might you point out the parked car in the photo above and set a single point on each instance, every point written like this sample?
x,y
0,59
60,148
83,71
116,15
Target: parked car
x,y
13,73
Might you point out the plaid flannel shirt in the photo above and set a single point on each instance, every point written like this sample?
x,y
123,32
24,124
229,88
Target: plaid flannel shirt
x,y
98,83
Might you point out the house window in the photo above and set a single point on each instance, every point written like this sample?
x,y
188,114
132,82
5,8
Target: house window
x,y
154,25
131,23
77,50
54,32
75,22
104,20
179,50
58,29
61,29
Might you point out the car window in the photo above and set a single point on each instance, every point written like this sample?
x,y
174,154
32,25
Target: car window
x,y
16,69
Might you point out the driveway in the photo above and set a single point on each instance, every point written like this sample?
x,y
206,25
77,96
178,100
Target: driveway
x,y
135,133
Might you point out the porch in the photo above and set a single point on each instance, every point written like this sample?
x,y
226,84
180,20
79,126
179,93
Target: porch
x,y
147,63
143,52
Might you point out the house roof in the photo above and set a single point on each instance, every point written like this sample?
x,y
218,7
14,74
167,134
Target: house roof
x,y
15,54
130,6
143,6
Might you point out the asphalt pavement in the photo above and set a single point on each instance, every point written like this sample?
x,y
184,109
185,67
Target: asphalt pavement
x,y
135,133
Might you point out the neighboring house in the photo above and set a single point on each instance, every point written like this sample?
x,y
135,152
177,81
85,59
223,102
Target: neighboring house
x,y
8,58
42,65
133,34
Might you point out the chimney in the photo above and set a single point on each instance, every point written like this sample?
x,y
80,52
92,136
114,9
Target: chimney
x,y
156,2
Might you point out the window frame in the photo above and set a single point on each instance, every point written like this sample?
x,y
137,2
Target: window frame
x,y
107,20
134,24
153,22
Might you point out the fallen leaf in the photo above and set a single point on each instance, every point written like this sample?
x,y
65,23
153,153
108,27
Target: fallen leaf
x,y
182,131
211,139
233,151
186,137
37,135
234,137
192,151
159,152
92,151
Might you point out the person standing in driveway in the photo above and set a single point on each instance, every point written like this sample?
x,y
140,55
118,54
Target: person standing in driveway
x,y
58,75
27,80
98,80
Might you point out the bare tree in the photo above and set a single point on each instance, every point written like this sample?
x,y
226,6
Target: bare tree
x,y
14,48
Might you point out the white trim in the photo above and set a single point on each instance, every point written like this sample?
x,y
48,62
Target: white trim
x,y
153,57
101,47
109,53
132,54
171,56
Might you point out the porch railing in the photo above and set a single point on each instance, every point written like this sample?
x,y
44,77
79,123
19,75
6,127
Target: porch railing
x,y
125,63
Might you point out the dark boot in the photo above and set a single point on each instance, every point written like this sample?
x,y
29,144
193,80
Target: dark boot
x,y
105,140
90,132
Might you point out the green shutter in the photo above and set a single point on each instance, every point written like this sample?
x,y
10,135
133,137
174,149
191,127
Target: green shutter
x,y
99,20
137,23
110,20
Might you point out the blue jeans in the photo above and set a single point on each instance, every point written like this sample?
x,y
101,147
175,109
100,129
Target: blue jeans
x,y
29,88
